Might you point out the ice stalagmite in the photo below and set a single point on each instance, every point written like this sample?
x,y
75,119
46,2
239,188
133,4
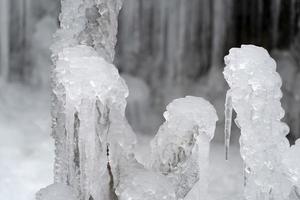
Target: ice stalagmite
x,y
180,150
255,92
89,100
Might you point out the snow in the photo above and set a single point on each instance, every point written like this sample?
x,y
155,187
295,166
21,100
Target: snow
x,y
255,92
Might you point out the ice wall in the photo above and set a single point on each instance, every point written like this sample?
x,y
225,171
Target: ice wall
x,y
255,94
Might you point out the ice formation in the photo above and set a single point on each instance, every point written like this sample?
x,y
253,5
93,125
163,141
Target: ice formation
x,y
180,149
292,162
56,191
90,22
138,183
89,100
255,93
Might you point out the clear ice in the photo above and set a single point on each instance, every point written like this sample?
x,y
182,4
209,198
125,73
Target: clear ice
x,y
89,22
291,161
56,191
89,127
228,121
180,150
89,100
255,93
137,182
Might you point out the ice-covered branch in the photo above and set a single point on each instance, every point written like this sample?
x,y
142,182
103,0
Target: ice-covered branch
x,y
255,92
180,149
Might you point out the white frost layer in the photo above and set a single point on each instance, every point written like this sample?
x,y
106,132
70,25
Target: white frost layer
x,y
56,191
180,150
255,92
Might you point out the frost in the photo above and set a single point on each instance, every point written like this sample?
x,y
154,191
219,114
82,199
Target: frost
x,y
180,149
56,191
255,92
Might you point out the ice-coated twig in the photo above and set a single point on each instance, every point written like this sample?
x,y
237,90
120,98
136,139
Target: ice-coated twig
x,y
228,121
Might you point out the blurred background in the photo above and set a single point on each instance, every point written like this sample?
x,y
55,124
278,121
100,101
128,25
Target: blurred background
x,y
166,49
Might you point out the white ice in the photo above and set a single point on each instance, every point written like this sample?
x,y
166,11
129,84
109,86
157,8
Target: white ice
x,y
180,150
255,92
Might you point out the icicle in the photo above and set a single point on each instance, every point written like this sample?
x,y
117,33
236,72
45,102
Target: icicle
x,y
4,40
228,121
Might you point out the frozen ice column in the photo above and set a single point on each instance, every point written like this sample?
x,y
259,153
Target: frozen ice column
x,y
89,22
291,161
255,96
181,147
89,127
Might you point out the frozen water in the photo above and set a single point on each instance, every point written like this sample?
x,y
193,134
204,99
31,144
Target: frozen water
x,y
292,163
56,191
90,128
228,120
92,22
255,92
138,183
180,149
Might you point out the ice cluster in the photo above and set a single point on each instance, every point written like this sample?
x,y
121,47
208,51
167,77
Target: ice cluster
x,y
180,150
90,128
255,96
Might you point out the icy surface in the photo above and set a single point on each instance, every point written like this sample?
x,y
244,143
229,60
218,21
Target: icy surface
x,y
255,91
90,22
90,128
292,163
56,191
138,183
228,120
180,149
